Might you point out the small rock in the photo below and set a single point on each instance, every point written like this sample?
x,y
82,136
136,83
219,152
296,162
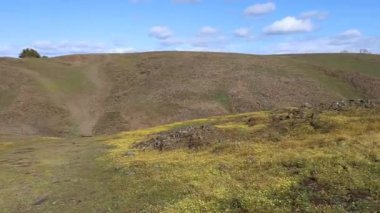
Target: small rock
x,y
307,105
251,122
40,200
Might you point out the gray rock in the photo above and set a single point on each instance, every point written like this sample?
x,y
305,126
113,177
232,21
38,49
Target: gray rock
x,y
307,105
40,200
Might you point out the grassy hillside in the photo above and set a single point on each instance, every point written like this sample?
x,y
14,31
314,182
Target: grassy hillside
x,y
104,94
285,160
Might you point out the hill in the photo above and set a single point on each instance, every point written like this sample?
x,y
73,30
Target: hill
x,y
286,160
104,94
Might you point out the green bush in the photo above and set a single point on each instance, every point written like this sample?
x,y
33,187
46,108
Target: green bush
x,y
29,53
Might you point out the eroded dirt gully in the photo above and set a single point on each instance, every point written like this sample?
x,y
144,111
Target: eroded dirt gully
x,y
87,107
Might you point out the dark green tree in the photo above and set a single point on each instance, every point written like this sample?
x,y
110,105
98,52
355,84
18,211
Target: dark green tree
x,y
29,53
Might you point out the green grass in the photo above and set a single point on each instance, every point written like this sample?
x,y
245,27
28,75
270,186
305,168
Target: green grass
x,y
224,99
362,63
333,84
57,77
302,66
302,169
64,171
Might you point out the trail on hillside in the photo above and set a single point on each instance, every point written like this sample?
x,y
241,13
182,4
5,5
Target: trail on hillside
x,y
84,107
87,107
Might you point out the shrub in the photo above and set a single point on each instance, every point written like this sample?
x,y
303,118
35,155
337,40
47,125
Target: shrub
x,y
29,53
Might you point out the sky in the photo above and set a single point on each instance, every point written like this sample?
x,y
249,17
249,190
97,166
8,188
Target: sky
x,y
60,27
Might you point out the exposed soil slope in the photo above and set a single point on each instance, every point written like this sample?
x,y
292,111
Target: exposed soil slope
x,y
102,94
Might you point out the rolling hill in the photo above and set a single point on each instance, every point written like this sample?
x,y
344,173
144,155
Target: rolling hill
x,y
104,94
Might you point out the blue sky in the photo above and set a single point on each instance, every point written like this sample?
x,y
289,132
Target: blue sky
x,y
58,27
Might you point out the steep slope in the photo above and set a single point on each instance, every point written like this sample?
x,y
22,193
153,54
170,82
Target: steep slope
x,y
101,94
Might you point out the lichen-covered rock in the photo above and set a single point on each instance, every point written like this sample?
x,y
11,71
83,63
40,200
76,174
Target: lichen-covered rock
x,y
356,103
192,137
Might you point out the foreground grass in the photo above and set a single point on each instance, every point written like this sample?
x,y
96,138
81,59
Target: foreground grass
x,y
303,170
259,168
53,175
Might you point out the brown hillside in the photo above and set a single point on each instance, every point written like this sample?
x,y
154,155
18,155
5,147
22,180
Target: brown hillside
x,y
101,94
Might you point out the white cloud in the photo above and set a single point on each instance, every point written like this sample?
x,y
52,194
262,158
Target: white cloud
x,y
260,9
172,42
120,50
53,48
314,14
350,40
215,42
289,25
198,41
242,32
346,37
160,32
305,46
204,49
352,33
50,45
207,38
207,31
5,50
